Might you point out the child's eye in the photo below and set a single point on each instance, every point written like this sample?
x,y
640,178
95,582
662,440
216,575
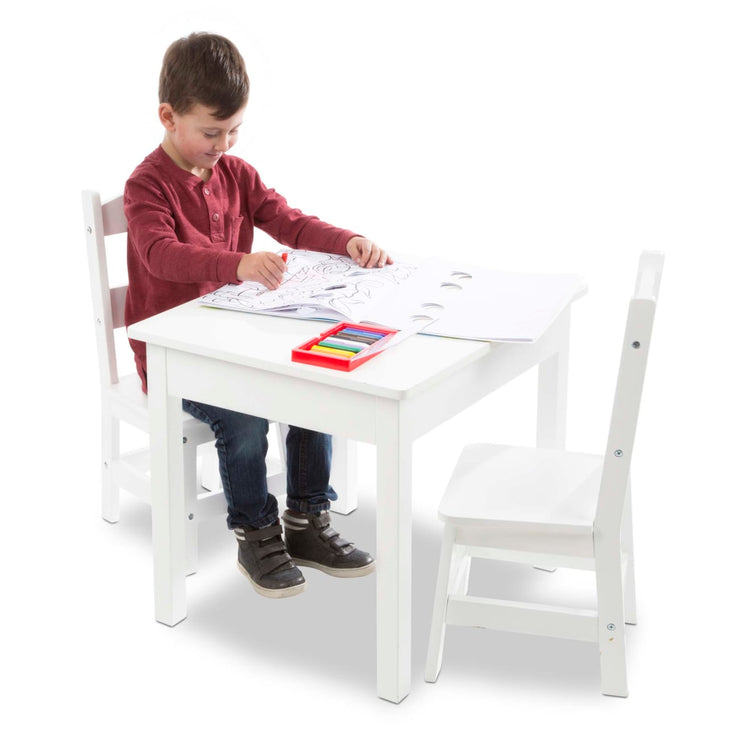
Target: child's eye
x,y
210,135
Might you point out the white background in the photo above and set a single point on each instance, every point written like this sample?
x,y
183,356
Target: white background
x,y
550,136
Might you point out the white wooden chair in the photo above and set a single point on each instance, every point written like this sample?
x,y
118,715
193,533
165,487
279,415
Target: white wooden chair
x,y
122,399
552,508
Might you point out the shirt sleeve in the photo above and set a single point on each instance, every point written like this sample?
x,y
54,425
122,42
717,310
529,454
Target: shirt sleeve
x,y
152,234
290,226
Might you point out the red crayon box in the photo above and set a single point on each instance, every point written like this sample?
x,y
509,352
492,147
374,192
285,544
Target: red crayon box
x,y
343,347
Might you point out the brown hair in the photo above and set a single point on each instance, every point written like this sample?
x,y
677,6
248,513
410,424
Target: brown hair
x,y
204,69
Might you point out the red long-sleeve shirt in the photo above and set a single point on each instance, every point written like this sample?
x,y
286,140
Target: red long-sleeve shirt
x,y
185,236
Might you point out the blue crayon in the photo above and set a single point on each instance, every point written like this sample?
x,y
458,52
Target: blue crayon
x,y
361,332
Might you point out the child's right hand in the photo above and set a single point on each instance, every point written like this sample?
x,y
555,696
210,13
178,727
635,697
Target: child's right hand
x,y
266,268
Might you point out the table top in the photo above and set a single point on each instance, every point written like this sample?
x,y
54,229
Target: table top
x,y
266,342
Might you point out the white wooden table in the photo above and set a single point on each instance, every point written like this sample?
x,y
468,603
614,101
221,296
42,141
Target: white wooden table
x,y
243,362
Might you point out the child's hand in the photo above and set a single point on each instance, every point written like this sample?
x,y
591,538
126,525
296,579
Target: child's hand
x,y
367,253
267,268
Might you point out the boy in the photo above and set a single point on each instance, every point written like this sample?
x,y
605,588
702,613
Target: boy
x,y
191,213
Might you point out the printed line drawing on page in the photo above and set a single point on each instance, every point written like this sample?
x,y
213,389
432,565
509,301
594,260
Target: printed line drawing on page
x,y
333,286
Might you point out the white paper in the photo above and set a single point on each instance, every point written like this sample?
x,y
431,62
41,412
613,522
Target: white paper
x,y
471,302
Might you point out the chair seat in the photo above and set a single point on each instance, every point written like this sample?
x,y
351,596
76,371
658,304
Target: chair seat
x,y
524,498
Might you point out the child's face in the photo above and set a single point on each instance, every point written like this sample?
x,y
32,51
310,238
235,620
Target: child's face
x,y
196,140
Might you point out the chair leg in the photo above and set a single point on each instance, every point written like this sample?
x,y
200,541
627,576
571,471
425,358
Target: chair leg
x,y
209,461
631,617
190,464
611,626
110,454
437,628
282,430
344,475
458,580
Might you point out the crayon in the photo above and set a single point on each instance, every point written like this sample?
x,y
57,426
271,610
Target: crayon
x,y
333,352
337,343
355,339
362,338
363,332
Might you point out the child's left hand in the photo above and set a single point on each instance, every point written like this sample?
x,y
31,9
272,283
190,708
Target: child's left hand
x,y
367,253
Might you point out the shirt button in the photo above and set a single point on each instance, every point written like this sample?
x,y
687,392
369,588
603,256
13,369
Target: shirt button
x,y
207,191
215,217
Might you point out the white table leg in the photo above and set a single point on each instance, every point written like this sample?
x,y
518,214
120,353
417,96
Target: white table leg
x,y
167,493
394,454
552,398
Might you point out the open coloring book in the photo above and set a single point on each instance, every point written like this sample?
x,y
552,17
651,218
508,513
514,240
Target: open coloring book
x,y
318,285
440,297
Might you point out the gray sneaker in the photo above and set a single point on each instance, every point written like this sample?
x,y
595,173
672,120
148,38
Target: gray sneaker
x,y
263,558
314,543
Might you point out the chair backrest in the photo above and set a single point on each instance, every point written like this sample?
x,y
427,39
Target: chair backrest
x,y
627,401
104,220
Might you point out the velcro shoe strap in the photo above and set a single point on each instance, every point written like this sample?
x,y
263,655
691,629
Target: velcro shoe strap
x,y
340,544
277,557
322,521
329,534
334,539
270,549
256,535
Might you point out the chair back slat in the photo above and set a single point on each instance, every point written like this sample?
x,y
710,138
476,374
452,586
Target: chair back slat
x,y
113,216
117,297
101,221
627,400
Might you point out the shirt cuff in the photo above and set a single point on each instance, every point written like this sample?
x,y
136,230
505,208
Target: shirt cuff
x,y
226,267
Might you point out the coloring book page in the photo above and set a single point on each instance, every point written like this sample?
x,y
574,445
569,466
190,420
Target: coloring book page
x,y
322,285
460,300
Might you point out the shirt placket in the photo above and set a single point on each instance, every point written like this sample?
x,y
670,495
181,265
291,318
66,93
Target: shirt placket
x,y
213,209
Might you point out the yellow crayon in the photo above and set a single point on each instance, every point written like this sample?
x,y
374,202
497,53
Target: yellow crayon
x,y
333,352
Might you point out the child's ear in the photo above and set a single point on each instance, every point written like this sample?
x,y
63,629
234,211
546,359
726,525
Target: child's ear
x,y
166,116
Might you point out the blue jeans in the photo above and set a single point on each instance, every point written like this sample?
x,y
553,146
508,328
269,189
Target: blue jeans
x,y
242,442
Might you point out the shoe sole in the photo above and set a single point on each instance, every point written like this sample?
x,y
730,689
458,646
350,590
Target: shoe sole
x,y
365,570
273,593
